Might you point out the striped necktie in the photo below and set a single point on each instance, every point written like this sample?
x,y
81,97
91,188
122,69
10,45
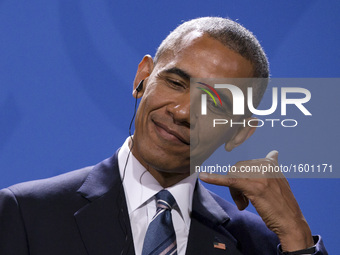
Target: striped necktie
x,y
160,238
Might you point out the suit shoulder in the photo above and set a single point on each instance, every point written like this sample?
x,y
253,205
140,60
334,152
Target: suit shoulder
x,y
65,183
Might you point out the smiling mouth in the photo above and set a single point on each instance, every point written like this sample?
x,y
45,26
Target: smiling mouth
x,y
169,134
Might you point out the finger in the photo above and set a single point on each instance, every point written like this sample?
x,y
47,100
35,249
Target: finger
x,y
224,180
273,155
239,198
218,179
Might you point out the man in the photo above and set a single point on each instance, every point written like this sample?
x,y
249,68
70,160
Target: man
x,y
110,208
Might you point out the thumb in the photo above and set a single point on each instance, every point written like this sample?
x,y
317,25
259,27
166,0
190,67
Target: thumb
x,y
273,155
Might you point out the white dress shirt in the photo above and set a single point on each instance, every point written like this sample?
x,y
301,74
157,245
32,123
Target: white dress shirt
x,y
140,189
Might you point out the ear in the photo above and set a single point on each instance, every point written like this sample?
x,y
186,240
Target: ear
x,y
144,70
241,135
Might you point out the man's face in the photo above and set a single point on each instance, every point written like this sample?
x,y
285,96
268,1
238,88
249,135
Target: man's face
x,y
162,134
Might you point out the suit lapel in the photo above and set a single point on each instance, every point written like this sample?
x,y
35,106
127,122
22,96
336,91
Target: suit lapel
x,y
104,223
208,234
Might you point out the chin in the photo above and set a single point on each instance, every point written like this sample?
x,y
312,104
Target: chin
x,y
165,167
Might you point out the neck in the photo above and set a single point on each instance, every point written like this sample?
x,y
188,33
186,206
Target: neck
x,y
167,179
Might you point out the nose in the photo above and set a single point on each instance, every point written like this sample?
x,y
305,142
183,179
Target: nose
x,y
180,110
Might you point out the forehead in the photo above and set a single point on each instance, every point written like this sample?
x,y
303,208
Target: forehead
x,y
201,56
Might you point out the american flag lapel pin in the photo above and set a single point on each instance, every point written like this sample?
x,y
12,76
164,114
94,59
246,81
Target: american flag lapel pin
x,y
219,245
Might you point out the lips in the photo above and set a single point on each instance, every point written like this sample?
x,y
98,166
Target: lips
x,y
169,133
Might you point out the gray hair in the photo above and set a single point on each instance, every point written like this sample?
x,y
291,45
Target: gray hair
x,y
229,33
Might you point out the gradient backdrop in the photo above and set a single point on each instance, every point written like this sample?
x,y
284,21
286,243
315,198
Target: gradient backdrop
x,y
67,67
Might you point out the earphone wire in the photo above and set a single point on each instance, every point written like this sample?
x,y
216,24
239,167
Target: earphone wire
x,y
120,198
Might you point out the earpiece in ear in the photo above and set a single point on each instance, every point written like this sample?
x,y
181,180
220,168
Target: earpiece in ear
x,y
140,86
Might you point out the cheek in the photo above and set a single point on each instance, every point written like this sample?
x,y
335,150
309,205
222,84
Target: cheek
x,y
153,97
145,106
217,136
205,138
140,117
214,129
151,103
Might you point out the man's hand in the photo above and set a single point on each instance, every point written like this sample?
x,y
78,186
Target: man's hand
x,y
272,198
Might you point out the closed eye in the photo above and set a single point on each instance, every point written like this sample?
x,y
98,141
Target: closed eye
x,y
218,108
175,83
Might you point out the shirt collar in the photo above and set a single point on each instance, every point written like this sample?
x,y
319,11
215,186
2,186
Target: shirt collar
x,y
140,185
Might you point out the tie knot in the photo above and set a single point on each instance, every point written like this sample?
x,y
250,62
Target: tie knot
x,y
165,200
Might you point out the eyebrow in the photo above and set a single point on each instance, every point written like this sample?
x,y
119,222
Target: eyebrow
x,y
179,72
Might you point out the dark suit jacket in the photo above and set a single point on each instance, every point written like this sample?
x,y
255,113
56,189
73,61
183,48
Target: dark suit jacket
x,y
84,212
